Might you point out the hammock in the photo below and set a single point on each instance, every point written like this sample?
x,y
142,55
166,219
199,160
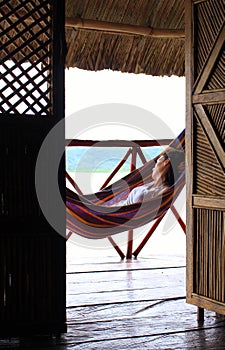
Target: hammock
x,y
100,215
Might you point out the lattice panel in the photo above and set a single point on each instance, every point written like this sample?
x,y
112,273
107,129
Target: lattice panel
x,y
209,176
25,58
210,254
208,25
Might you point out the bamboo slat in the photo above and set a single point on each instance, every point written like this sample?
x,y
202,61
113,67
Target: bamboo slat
x,y
207,30
216,80
210,176
210,254
121,28
217,113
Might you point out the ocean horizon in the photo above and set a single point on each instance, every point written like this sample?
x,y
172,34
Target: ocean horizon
x,y
103,159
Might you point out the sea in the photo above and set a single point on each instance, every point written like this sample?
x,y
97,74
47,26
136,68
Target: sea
x,y
91,166
102,159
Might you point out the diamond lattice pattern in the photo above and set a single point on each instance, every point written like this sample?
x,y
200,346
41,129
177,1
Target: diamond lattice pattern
x,y
25,59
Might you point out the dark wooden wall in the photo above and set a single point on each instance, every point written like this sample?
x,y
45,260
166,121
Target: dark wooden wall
x,y
32,252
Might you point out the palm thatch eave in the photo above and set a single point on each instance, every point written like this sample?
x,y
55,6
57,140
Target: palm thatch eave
x,y
143,36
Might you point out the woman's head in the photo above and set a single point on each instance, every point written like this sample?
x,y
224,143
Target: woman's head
x,y
176,161
168,167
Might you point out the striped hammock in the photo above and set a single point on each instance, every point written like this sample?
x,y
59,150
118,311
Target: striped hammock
x,y
100,215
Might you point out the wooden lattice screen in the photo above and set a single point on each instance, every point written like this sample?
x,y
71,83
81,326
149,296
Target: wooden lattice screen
x,y
205,131
32,253
26,46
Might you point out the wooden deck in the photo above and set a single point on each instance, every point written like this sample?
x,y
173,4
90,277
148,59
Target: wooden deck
x,y
137,304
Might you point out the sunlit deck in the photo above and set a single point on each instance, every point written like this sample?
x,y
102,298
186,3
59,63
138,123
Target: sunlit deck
x,y
139,304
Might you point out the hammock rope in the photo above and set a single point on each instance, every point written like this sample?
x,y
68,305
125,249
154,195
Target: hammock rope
x,y
99,215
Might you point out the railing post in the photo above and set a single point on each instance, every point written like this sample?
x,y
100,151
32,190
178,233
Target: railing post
x,y
179,219
117,168
147,236
133,165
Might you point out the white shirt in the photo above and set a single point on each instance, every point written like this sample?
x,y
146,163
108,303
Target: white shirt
x,y
144,192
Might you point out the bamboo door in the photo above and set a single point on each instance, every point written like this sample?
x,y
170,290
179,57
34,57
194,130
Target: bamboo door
x,y
32,253
205,136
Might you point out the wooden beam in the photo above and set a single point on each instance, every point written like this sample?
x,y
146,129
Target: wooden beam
x,y
117,143
210,97
217,203
121,28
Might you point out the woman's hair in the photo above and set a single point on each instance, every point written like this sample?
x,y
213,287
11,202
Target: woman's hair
x,y
177,160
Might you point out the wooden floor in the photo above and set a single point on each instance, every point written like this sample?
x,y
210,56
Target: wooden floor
x,y
113,304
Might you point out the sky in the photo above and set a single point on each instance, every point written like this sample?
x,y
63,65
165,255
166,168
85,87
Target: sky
x,y
162,96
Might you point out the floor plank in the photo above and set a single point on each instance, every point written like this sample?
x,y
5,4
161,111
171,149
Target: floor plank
x,y
120,305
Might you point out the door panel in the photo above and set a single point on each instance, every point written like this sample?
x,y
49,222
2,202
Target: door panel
x,y
205,126
32,253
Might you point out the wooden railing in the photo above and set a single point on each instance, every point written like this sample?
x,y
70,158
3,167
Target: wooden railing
x,y
134,151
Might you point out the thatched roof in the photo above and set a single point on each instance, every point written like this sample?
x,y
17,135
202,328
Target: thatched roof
x,y
138,36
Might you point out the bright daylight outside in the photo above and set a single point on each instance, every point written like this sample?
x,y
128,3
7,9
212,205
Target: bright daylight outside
x,y
109,105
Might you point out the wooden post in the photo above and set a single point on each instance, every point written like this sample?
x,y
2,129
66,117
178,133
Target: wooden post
x,y
73,183
117,168
119,251
122,28
148,235
179,219
200,314
131,232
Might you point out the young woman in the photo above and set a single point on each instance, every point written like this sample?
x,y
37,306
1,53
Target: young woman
x,y
165,173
